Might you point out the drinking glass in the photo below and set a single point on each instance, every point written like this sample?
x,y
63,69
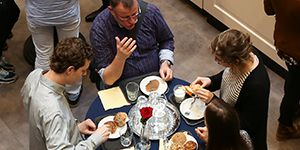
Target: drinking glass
x,y
126,138
179,93
132,90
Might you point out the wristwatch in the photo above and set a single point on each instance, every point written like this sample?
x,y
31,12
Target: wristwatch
x,y
167,61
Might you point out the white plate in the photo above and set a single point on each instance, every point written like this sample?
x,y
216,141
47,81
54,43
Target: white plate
x,y
188,138
197,110
162,87
119,131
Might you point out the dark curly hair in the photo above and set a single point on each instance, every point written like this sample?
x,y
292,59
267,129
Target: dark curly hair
x,y
70,52
232,46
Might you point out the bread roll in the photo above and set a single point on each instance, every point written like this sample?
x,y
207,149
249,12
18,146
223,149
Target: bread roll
x,y
190,145
176,146
120,119
111,126
191,88
179,138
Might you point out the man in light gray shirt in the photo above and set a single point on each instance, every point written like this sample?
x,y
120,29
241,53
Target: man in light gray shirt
x,y
52,124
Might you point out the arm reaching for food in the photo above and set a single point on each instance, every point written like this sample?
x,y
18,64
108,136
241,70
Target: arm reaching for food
x,y
87,127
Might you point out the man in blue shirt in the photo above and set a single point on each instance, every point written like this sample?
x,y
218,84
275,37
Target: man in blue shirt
x,y
130,40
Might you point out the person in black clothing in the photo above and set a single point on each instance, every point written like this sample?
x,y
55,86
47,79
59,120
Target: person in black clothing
x,y
9,11
90,17
244,83
286,39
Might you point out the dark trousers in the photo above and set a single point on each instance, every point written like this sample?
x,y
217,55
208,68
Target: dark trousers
x,y
9,14
290,101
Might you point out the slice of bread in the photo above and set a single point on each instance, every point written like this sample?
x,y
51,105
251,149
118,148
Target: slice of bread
x,y
152,85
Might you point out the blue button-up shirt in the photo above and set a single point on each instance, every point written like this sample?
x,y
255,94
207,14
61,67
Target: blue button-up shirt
x,y
154,40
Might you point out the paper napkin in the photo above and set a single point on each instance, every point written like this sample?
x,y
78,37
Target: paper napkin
x,y
112,98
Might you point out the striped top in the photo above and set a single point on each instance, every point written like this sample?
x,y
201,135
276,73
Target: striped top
x,y
231,85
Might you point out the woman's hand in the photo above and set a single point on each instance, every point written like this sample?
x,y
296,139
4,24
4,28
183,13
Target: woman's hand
x,y
87,127
205,95
202,132
203,81
125,47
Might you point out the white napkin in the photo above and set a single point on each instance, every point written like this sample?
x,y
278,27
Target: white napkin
x,y
112,98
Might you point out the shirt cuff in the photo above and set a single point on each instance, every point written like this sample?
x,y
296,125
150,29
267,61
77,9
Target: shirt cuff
x,y
101,72
166,54
96,139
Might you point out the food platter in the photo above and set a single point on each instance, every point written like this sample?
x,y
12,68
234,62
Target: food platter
x,y
172,114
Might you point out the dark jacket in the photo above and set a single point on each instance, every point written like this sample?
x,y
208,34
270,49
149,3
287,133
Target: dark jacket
x,y
287,30
252,104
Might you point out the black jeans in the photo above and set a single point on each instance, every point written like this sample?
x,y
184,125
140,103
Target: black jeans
x,y
9,14
291,98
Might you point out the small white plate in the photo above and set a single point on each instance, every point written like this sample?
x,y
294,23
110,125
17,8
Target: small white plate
x,y
197,110
119,130
162,87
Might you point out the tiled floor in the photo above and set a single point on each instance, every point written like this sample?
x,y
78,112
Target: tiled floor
x,y
192,37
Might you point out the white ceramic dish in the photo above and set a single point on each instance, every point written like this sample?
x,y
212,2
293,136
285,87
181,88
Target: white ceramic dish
x,y
196,111
119,130
162,88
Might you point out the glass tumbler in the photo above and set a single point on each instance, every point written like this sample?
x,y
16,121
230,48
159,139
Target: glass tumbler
x,y
132,90
126,138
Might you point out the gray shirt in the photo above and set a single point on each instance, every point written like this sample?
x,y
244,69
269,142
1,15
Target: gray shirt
x,y
52,13
51,122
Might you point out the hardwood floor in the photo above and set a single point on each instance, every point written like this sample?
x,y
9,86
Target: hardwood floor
x,y
192,37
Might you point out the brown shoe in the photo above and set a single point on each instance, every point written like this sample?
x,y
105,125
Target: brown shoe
x,y
286,132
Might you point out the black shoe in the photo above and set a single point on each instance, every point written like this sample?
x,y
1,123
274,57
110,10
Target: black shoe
x,y
74,103
90,17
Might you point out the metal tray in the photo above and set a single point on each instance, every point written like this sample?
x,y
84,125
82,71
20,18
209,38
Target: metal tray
x,y
173,123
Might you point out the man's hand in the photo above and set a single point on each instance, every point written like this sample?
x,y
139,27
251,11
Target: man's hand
x,y
104,131
87,127
125,47
166,73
